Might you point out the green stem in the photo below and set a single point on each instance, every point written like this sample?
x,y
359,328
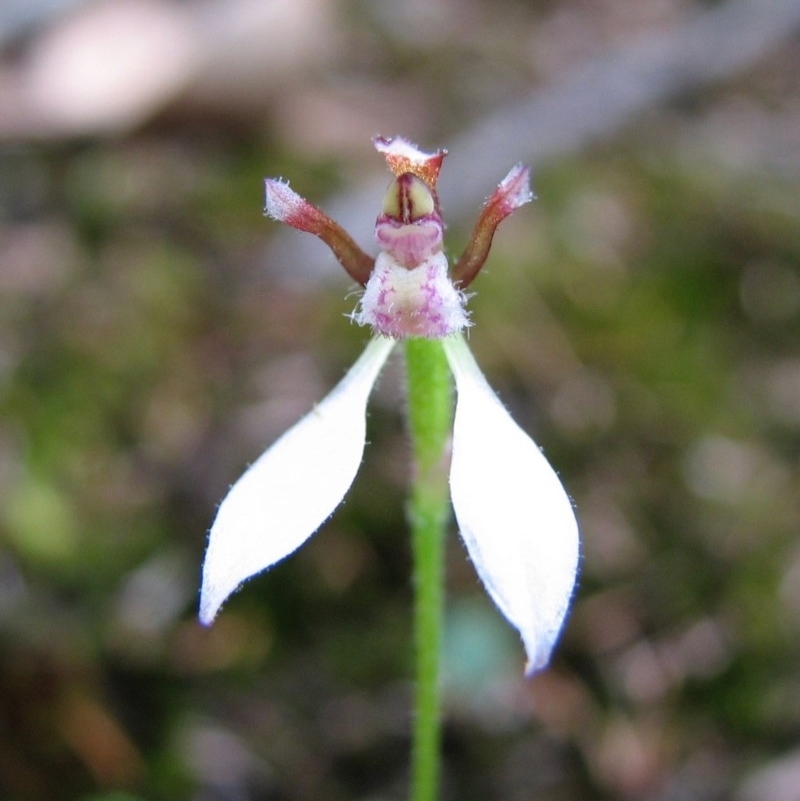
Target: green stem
x,y
430,416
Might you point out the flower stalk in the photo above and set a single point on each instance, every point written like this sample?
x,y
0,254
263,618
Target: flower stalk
x,y
430,420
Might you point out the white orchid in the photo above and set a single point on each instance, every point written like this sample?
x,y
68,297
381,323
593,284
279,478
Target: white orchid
x,y
513,514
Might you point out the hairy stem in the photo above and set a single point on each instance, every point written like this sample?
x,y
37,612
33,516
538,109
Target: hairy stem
x,y
430,415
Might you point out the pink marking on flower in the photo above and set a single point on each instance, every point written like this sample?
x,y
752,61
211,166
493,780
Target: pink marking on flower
x,y
420,302
409,244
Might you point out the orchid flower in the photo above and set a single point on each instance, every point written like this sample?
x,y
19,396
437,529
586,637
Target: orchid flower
x,y
513,514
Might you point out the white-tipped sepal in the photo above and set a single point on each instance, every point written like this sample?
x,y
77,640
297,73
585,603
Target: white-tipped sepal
x,y
286,494
513,514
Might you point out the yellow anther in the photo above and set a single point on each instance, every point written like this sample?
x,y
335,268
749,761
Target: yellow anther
x,y
408,199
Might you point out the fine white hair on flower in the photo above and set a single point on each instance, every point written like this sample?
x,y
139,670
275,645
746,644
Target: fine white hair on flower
x,y
513,514
289,492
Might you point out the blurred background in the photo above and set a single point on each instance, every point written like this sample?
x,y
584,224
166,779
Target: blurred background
x,y
641,320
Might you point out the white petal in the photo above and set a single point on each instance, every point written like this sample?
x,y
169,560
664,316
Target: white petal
x,y
289,492
513,513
